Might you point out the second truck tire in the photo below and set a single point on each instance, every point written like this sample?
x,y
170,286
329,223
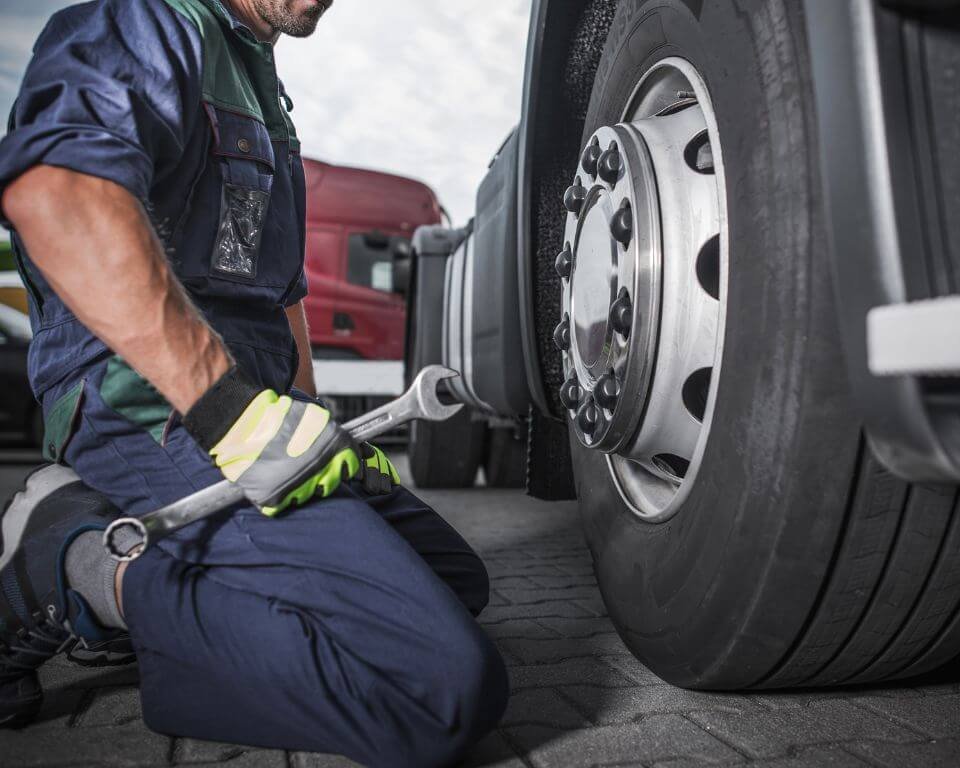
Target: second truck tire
x,y
446,455
796,559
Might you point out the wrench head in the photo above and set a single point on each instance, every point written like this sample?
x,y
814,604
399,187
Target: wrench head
x,y
425,387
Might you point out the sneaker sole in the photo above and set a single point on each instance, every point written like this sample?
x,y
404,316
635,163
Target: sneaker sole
x,y
91,657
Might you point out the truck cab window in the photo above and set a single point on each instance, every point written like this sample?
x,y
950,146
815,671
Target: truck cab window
x,y
371,257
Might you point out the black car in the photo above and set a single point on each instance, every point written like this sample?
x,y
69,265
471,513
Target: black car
x,y
20,416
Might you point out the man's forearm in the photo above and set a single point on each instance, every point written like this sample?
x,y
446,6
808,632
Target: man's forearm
x,y
95,245
304,381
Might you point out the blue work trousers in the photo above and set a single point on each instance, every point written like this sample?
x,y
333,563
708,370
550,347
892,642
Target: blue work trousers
x,y
344,626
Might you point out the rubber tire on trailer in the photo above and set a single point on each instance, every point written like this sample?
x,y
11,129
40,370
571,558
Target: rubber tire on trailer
x,y
446,455
505,458
796,559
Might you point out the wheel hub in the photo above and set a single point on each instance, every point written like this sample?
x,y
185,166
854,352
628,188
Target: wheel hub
x,y
643,280
612,288
594,284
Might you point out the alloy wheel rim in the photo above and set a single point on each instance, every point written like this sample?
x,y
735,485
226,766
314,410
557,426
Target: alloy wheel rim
x,y
643,275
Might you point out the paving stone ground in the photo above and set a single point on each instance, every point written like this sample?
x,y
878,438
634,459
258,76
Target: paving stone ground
x,y
579,698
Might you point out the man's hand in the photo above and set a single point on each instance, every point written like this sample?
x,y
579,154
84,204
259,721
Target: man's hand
x,y
283,451
95,245
379,474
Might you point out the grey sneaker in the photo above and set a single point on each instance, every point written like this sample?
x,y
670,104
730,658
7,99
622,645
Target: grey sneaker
x,y
40,616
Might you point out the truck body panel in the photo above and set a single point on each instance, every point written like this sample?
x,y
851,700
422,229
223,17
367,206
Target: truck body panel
x,y
359,223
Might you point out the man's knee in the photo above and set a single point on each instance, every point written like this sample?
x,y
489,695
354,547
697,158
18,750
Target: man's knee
x,y
484,685
472,683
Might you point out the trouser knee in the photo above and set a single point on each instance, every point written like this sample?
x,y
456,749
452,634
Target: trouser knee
x,y
475,682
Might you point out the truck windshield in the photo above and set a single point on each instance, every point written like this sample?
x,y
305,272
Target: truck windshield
x,y
371,257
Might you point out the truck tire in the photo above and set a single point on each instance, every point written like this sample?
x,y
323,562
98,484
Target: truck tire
x,y
446,455
505,458
792,557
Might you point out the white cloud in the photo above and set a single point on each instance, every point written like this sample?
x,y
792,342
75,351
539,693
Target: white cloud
x,y
427,89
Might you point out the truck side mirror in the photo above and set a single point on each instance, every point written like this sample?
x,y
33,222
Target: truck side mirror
x,y
402,268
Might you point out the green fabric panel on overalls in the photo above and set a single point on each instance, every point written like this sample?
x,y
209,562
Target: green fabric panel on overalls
x,y
238,71
133,397
60,422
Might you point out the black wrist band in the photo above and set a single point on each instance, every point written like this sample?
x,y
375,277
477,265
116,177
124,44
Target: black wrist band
x,y
219,407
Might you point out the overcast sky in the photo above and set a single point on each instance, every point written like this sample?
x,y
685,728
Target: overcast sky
x,y
424,88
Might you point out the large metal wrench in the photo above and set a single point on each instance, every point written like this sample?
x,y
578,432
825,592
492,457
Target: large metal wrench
x,y
418,402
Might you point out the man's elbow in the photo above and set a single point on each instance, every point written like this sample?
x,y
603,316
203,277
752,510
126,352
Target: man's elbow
x,y
35,196
46,194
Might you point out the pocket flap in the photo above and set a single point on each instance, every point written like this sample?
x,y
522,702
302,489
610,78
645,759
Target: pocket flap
x,y
239,136
60,422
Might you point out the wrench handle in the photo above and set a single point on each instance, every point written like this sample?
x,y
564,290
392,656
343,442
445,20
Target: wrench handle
x,y
374,423
155,526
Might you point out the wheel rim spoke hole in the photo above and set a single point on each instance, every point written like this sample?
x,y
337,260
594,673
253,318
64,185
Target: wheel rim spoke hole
x,y
708,267
671,464
699,154
696,390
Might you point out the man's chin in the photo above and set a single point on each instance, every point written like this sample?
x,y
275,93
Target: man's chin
x,y
305,28
301,25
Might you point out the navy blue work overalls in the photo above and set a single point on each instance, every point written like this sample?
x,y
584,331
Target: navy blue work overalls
x,y
344,626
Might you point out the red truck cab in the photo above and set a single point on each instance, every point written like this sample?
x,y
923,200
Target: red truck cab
x,y
359,225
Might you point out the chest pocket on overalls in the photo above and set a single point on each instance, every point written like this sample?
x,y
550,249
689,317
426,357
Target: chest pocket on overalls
x,y
242,146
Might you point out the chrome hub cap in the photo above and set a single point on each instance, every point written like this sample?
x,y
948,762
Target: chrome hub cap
x,y
643,276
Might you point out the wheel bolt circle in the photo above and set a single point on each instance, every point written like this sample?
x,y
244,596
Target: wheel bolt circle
x,y
610,165
564,262
561,335
607,391
574,197
621,313
590,158
570,393
588,417
621,226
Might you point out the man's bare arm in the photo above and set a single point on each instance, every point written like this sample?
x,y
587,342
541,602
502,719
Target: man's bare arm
x,y
304,381
95,245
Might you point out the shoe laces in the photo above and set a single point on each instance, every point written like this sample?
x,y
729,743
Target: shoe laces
x,y
32,646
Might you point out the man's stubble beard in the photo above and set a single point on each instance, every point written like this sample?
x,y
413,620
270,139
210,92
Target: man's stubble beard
x,y
278,15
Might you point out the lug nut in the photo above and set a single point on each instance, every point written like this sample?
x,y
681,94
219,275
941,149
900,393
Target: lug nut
x,y
574,197
591,157
588,417
570,393
561,336
621,313
564,262
607,391
621,226
610,165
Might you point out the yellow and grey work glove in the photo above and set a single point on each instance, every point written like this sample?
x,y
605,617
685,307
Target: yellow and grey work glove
x,y
279,450
378,473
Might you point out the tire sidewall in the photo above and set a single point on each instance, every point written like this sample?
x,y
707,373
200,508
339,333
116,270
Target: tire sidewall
x,y
712,597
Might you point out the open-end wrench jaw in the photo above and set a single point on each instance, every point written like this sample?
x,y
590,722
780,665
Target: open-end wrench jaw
x,y
420,401
425,387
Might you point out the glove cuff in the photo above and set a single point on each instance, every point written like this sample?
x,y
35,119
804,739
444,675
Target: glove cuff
x,y
218,409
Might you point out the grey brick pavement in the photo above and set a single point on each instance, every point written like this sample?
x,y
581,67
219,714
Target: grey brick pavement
x,y
579,698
